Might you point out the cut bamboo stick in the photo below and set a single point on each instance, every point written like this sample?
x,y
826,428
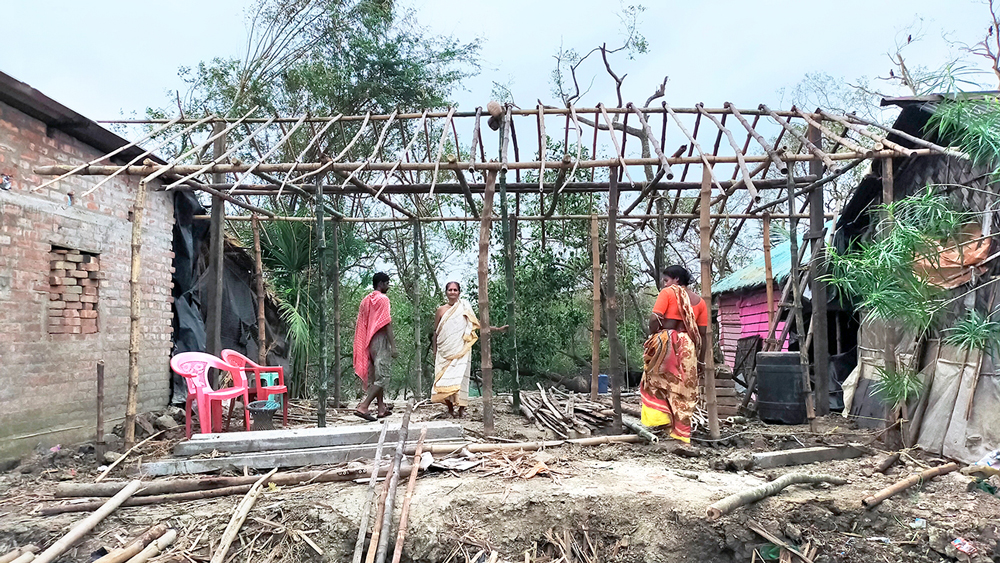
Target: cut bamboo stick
x,y
13,555
404,515
135,546
484,301
732,502
872,501
87,524
390,501
155,548
239,516
740,159
359,545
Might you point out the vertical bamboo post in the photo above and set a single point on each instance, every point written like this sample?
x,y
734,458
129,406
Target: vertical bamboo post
x,y
893,438
711,404
508,266
259,274
321,302
335,234
800,326
485,223
132,394
612,299
817,268
418,372
99,448
216,257
595,353
768,272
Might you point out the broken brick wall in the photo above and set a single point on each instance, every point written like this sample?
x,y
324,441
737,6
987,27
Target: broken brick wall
x,y
65,261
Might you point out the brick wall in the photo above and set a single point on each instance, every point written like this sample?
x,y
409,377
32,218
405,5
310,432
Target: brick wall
x,y
48,380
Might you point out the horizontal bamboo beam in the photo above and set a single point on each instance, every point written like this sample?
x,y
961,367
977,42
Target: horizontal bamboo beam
x,y
459,189
297,219
103,170
441,114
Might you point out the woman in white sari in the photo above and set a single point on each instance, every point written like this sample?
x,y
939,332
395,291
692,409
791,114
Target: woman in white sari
x,y
455,326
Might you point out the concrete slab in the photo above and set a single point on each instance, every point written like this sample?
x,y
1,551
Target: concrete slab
x,y
801,456
280,458
299,438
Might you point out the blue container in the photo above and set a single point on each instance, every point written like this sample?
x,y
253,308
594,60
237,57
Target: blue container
x,y
602,383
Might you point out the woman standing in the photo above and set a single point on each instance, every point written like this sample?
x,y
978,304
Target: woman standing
x,y
669,387
455,326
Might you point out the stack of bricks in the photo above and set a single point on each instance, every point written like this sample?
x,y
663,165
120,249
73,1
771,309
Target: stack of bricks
x,y
74,280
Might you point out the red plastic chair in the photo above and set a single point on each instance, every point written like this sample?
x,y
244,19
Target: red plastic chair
x,y
261,392
193,367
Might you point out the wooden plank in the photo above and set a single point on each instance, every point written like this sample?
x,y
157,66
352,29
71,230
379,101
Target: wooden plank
x,y
264,460
728,411
299,438
724,383
800,456
724,391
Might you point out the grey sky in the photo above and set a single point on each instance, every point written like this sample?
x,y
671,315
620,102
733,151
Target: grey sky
x,y
108,58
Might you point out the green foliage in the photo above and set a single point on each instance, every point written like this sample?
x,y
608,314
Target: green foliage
x,y
879,274
973,125
975,331
896,387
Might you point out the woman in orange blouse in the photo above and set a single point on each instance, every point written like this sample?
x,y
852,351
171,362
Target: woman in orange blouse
x,y
677,327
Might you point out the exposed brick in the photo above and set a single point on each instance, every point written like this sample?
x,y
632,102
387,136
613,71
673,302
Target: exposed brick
x,y
71,297
88,298
74,257
88,314
78,273
57,305
74,289
76,305
55,280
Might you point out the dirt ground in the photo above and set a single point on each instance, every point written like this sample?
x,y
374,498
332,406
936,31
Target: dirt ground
x,y
618,503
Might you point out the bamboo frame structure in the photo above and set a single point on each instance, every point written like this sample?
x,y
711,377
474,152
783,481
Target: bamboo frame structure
x,y
379,157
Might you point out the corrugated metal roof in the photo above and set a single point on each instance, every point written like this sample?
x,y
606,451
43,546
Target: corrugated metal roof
x,y
753,275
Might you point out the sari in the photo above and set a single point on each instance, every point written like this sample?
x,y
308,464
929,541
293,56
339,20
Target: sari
x,y
456,333
669,387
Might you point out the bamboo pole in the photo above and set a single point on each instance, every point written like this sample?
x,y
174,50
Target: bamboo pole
x,y
771,153
135,313
706,294
793,274
99,448
239,516
342,167
395,219
359,545
259,276
216,257
16,553
595,352
87,524
732,502
740,160
817,271
508,267
335,233
484,303
816,152
612,301
390,501
417,359
323,374
768,272
155,547
397,552
872,501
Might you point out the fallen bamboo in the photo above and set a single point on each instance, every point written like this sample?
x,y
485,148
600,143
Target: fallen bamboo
x,y
377,526
148,500
26,557
887,463
640,430
135,546
531,446
239,516
926,475
404,515
390,501
87,524
13,555
359,545
734,501
155,547
124,456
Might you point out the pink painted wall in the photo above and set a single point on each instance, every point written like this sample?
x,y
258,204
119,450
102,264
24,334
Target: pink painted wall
x,y
740,315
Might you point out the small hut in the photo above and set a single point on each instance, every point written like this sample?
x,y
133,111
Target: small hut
x,y
958,412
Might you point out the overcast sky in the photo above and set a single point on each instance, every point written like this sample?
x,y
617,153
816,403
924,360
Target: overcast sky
x,y
107,58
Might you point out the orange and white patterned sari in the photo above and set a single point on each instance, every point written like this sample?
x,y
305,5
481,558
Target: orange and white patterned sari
x,y
669,387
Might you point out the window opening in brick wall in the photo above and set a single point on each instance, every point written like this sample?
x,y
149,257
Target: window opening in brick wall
x,y
74,281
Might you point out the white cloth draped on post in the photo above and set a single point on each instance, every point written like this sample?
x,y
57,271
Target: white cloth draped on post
x,y
456,333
